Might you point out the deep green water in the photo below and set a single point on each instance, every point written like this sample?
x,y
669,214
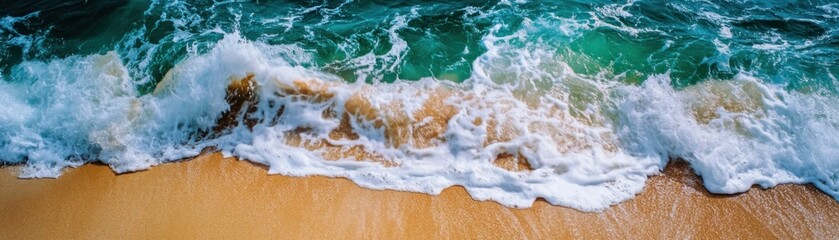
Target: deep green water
x,y
791,43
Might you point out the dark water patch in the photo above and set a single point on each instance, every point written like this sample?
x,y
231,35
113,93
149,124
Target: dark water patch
x,y
67,18
661,12
787,27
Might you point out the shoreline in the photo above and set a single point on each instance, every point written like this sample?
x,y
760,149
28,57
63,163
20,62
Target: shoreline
x,y
210,196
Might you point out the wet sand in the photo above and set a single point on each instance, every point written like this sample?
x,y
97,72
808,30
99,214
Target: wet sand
x,y
212,197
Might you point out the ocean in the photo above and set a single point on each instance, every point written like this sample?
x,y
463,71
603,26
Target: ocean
x,y
573,102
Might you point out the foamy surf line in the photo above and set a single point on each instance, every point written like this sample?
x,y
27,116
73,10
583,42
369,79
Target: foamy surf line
x,y
514,132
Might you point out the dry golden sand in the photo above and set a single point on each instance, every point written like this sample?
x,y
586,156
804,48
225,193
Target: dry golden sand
x,y
212,197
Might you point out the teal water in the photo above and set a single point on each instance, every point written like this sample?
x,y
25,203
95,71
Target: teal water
x,y
596,95
791,43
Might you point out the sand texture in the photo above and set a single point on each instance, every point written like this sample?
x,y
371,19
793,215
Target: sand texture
x,y
215,198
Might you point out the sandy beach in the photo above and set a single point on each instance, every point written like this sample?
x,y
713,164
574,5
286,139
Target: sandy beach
x,y
214,197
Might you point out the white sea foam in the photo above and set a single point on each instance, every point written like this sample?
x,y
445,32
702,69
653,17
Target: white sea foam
x,y
588,143
735,134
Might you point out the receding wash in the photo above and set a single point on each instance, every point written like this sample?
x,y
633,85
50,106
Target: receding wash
x,y
574,102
